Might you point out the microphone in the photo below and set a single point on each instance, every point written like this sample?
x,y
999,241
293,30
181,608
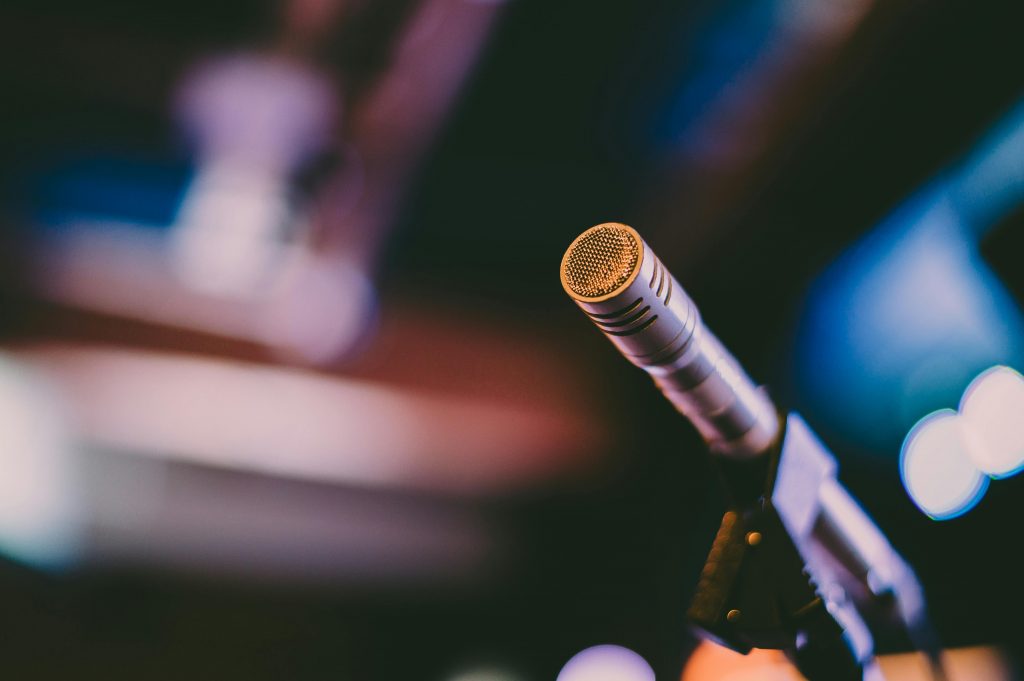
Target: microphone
x,y
619,283
797,565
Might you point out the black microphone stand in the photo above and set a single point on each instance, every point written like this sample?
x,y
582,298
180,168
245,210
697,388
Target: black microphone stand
x,y
797,566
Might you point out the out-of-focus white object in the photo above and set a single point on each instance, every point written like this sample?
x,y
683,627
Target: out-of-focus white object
x,y
606,663
111,461
319,307
39,500
937,466
257,110
246,256
948,457
312,307
993,409
304,426
253,121
114,457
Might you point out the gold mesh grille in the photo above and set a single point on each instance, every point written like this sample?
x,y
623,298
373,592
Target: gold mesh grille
x,y
600,260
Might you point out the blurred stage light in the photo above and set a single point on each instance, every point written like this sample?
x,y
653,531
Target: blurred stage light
x,y
72,500
38,476
922,282
937,468
993,410
711,662
253,121
486,674
231,230
300,425
319,308
606,663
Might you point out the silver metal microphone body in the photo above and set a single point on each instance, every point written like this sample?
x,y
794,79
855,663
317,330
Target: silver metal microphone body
x,y
618,281
797,564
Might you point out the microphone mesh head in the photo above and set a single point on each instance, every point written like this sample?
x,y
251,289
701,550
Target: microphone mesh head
x,y
601,260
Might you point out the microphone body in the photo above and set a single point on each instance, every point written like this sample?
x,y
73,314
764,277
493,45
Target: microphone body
x,y
797,564
618,281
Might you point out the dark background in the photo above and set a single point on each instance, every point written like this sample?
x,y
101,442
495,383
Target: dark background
x,y
564,123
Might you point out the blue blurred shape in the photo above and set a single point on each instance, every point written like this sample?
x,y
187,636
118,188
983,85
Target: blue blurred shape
x,y
901,323
77,189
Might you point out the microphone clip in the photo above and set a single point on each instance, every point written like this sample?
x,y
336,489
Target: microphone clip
x,y
797,566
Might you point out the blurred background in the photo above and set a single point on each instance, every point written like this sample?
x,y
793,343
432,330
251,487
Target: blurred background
x,y
289,388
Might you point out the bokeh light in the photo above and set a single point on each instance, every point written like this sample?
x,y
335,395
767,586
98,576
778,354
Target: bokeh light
x,y
606,663
993,410
487,673
39,501
937,468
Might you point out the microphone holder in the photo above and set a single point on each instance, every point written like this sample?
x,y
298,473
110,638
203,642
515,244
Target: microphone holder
x,y
797,566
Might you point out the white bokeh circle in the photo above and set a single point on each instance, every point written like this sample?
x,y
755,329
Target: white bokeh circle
x,y
993,411
606,663
937,467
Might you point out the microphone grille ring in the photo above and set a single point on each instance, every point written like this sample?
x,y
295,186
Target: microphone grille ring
x,y
601,261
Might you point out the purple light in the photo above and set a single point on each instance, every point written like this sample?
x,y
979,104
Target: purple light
x,y
606,663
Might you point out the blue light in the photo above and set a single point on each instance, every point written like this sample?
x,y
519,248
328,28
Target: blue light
x,y
911,313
